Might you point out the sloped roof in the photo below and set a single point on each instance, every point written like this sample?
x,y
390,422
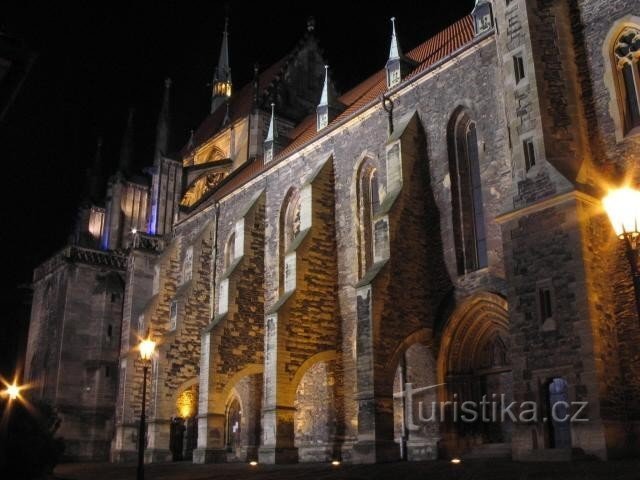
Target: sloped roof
x,y
425,55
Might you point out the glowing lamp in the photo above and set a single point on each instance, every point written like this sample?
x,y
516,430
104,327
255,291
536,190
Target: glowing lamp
x,y
335,463
456,461
253,463
623,208
134,230
147,348
13,391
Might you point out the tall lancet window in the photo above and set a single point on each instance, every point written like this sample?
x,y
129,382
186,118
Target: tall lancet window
x,y
466,194
626,53
289,230
367,205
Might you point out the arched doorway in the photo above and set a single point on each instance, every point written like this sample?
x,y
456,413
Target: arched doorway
x,y
183,433
233,428
474,366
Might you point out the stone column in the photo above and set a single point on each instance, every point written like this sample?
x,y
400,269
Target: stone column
x,y
375,411
277,414
210,447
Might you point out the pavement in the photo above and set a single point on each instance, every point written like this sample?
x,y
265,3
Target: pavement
x,y
497,469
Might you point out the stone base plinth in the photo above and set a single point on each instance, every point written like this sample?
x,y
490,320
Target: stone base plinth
x,y
209,455
157,455
273,455
367,451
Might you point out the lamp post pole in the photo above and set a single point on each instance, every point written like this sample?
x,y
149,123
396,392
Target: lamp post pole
x,y
141,433
146,348
631,249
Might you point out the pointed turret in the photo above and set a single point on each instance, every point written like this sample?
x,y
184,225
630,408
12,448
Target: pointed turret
x,y
163,127
482,16
394,49
221,87
126,148
272,133
329,107
398,66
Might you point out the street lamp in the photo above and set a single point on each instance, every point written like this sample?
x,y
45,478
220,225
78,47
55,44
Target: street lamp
x,y
623,208
146,349
12,391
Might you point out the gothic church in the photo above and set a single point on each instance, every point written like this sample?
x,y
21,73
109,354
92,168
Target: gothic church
x,y
307,254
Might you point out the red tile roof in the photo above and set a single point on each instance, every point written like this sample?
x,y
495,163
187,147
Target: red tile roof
x,y
425,55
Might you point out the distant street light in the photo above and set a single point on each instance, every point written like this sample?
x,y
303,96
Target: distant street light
x,y
623,208
146,348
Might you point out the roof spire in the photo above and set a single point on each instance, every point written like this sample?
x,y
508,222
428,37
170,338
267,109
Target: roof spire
x,y
126,149
324,98
394,51
222,74
272,133
163,126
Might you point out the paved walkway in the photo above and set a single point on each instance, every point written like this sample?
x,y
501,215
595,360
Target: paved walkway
x,y
469,470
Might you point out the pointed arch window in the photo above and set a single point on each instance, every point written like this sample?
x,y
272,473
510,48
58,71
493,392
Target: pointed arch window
x,y
289,230
626,53
368,205
466,194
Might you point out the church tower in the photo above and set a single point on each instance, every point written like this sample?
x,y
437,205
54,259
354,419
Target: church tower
x,y
221,85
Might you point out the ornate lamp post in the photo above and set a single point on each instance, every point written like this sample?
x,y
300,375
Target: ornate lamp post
x,y
623,208
146,348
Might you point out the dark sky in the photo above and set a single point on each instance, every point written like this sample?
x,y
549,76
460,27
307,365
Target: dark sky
x,y
96,60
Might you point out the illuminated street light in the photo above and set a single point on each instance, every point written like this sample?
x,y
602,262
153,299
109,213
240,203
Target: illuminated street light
x,y
623,208
12,391
146,348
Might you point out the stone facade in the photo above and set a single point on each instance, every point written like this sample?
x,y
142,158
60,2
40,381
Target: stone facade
x,y
448,234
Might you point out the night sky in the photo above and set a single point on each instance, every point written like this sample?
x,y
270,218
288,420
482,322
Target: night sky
x,y
96,60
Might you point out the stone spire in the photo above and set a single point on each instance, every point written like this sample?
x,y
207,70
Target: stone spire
x,y
322,111
221,87
126,148
164,123
324,98
398,66
394,51
329,107
272,134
